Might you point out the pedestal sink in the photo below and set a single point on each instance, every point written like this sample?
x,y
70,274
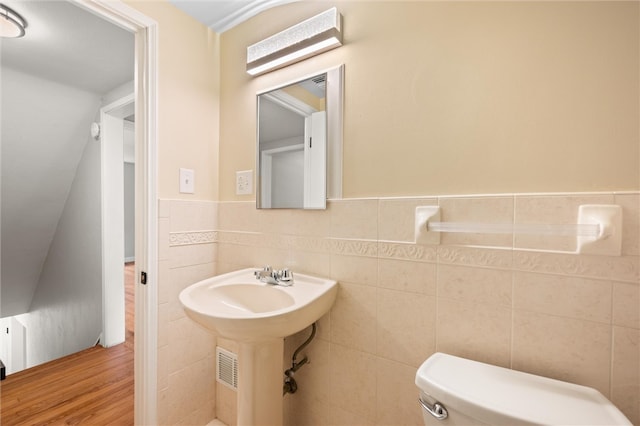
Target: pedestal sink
x,y
258,316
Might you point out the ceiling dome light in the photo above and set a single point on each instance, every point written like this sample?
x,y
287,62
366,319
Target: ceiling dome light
x,y
11,23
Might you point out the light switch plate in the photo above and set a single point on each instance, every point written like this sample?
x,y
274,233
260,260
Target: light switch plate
x,y
187,181
244,182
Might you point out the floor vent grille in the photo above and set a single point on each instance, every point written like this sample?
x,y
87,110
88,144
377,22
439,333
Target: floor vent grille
x,y
227,368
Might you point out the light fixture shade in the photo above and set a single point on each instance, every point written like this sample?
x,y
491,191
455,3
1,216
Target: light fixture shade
x,y
308,38
11,23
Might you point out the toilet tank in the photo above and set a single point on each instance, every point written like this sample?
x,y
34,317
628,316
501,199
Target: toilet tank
x,y
472,392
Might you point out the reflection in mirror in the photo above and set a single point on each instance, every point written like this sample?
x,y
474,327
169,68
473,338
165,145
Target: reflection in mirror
x,y
294,134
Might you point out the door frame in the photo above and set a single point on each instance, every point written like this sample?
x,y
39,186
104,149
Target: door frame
x,y
266,171
112,209
145,30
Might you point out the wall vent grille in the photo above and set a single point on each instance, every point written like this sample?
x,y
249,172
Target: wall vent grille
x,y
227,368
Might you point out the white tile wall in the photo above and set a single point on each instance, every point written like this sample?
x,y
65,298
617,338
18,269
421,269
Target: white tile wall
x,y
522,302
186,386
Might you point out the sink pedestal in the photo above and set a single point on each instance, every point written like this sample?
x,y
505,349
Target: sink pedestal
x,y
260,379
258,316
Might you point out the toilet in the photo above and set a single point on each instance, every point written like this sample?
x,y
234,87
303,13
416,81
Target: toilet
x,y
458,391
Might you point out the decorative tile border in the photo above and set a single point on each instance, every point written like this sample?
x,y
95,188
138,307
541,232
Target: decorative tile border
x,y
408,251
474,256
311,244
623,268
364,248
192,237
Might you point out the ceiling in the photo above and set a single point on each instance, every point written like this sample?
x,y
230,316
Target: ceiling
x,y
222,15
70,45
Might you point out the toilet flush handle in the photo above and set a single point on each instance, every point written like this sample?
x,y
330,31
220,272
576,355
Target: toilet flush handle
x,y
437,410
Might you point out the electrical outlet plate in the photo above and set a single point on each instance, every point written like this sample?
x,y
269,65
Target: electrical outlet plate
x,y
244,182
187,183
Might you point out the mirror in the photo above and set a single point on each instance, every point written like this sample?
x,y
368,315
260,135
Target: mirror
x,y
299,148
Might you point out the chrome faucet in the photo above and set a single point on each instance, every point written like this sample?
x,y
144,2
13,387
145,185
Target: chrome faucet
x,y
268,275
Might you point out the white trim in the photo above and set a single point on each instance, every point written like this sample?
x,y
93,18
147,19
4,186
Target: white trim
x,y
112,219
291,103
290,81
280,150
146,298
118,104
335,128
245,12
264,200
146,328
118,13
315,161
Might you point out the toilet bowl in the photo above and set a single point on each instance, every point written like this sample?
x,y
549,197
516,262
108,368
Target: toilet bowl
x,y
458,391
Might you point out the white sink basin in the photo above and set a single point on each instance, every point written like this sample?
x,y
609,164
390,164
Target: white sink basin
x,y
238,306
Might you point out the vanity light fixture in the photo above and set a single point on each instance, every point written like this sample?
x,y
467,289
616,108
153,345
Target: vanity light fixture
x,y
308,38
12,24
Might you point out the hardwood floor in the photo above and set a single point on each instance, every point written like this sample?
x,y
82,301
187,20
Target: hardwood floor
x,y
92,387
129,302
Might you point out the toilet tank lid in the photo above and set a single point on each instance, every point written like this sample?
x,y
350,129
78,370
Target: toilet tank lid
x,y
497,395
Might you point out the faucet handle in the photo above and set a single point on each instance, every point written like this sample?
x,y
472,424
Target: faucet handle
x,y
265,271
286,275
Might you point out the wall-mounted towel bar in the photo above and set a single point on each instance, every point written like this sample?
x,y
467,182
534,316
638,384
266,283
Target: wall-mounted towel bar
x,y
577,230
598,231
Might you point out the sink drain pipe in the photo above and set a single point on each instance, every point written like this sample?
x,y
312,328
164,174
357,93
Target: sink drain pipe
x,y
290,385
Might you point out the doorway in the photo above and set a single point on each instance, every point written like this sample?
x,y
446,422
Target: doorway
x,y
12,344
17,56
146,295
112,148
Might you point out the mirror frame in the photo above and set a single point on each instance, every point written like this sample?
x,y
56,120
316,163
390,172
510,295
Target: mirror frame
x,y
334,102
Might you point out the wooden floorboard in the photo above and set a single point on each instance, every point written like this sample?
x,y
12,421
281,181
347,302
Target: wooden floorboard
x,y
91,387
129,302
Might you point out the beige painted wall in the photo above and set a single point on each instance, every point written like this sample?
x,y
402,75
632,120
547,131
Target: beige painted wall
x,y
188,100
188,123
559,83
462,97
